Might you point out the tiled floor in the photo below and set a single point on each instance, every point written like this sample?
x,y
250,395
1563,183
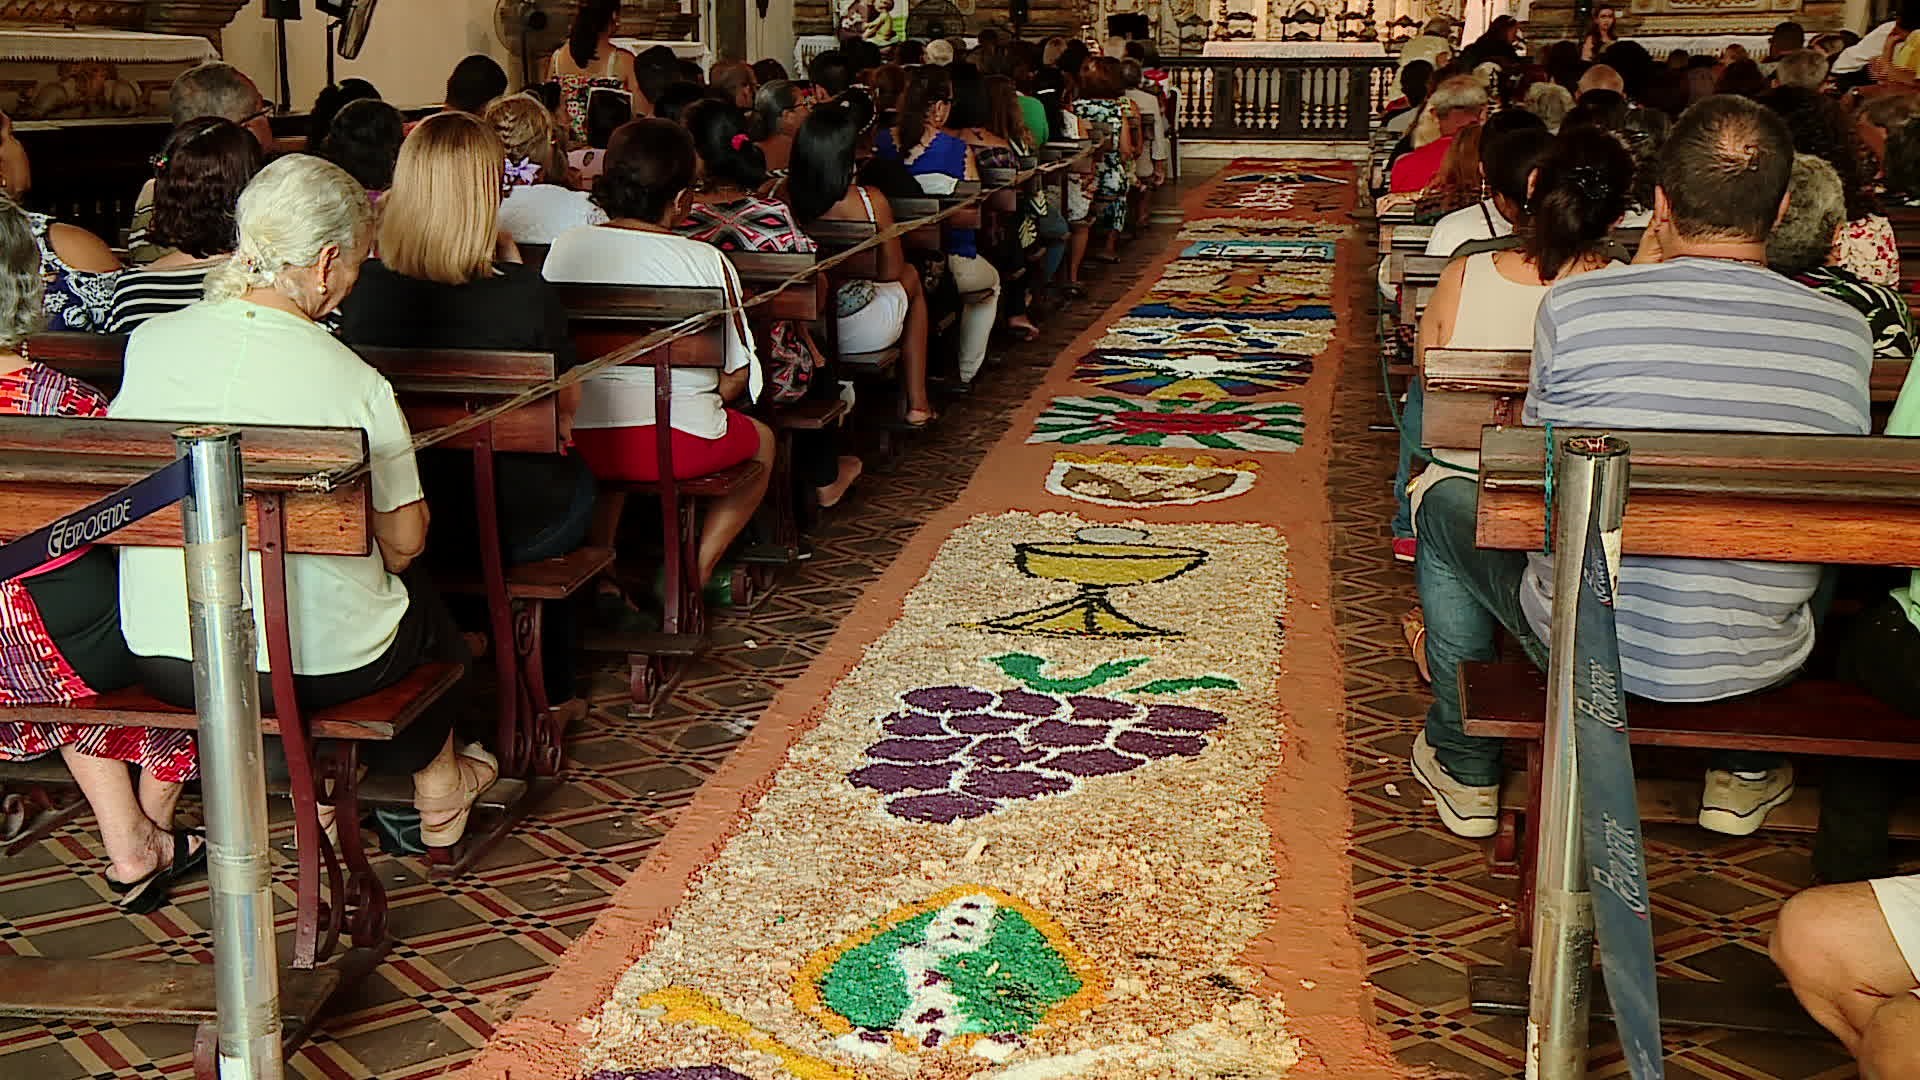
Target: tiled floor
x,y
467,950
1425,905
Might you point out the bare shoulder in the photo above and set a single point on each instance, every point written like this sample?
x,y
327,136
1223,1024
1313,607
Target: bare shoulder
x,y
81,249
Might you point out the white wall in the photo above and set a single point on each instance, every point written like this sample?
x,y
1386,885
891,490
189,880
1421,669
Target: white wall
x,y
771,37
410,51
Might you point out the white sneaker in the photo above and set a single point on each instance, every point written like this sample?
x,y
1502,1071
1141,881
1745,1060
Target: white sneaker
x,y
1739,807
1466,810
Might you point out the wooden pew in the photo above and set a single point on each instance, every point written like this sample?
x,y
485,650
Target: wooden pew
x,y
1775,498
1468,389
436,388
51,466
608,317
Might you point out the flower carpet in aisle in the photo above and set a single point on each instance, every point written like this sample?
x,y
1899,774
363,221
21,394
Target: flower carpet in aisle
x,y
1064,796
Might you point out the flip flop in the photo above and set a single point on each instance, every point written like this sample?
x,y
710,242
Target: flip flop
x,y
150,893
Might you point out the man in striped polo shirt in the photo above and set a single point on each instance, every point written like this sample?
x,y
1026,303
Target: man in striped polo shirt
x,y
1697,335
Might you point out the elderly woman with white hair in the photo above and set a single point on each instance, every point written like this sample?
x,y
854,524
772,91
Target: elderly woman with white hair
x,y
254,352
1802,247
62,626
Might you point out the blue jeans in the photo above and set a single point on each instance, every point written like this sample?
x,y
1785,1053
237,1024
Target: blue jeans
x,y
1410,417
1466,595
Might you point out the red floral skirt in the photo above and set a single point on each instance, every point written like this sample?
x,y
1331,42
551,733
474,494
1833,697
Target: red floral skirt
x,y
33,672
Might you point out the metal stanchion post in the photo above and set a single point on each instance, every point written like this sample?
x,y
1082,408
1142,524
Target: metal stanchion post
x,y
232,765
1590,478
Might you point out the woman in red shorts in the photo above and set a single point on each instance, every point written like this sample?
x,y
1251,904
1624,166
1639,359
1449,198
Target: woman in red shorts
x,y
643,189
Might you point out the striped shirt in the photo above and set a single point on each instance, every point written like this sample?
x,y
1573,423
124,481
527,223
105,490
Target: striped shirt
x,y
1698,345
144,294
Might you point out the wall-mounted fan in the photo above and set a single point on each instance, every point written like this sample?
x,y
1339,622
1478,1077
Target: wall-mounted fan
x,y
532,29
352,20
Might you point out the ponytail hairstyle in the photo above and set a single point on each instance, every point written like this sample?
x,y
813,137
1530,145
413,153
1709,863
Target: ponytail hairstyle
x,y
771,103
293,211
821,168
593,19
1580,190
719,131
927,86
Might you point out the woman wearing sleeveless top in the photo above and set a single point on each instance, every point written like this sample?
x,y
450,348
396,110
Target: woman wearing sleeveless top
x,y
1489,300
869,315
590,61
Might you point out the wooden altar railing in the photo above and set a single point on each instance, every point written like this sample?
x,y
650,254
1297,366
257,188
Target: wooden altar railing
x,y
1294,98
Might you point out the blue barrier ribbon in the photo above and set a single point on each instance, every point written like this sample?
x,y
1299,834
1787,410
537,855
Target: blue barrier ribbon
x,y
94,523
1610,818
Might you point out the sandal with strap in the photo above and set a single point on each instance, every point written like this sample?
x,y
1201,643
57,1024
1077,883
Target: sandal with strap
x,y
443,818
1413,626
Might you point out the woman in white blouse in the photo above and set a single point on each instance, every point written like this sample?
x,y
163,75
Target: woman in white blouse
x,y
253,352
649,168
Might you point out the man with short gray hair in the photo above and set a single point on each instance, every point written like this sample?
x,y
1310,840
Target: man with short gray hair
x,y
1457,102
214,88
219,89
1804,68
1801,248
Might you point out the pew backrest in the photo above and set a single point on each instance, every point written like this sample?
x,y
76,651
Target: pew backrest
x,y
435,386
52,466
1468,389
1851,499
763,271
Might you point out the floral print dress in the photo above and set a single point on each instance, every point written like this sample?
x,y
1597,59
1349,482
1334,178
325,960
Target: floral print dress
x,y
1869,249
76,299
1112,173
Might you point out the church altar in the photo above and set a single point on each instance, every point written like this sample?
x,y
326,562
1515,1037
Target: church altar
x,y
92,73
1280,50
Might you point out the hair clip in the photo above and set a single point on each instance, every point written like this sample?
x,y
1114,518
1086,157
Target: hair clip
x,y
739,140
1590,181
522,170
159,163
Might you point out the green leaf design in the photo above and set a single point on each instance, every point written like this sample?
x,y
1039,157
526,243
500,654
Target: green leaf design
x,y
1026,668
1181,686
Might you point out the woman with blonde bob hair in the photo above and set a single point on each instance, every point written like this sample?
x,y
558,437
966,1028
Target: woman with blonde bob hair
x,y
536,208
436,285
254,352
432,227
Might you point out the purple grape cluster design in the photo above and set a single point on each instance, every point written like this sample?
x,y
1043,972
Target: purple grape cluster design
x,y
951,753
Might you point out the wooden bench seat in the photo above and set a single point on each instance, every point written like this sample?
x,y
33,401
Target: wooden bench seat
x,y
379,716
1507,701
